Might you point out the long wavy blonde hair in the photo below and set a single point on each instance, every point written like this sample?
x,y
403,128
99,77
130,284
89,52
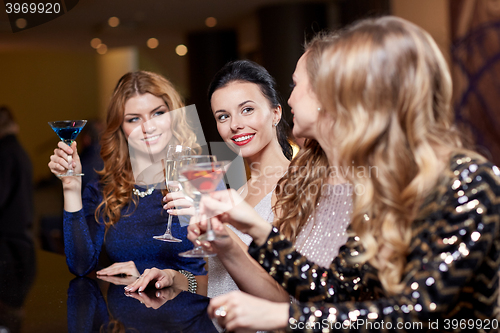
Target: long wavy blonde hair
x,y
117,179
387,88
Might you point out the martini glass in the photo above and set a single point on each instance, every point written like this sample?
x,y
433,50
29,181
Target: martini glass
x,y
174,154
199,179
68,130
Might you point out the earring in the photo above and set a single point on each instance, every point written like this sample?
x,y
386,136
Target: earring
x,y
275,124
319,109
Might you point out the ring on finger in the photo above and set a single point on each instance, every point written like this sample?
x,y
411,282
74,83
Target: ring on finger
x,y
221,311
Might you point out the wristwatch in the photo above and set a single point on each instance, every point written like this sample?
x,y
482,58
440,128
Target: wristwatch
x,y
192,284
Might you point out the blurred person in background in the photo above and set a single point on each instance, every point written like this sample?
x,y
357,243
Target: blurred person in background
x,y
17,252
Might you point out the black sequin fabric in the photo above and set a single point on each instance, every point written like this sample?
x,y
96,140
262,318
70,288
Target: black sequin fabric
x,y
450,279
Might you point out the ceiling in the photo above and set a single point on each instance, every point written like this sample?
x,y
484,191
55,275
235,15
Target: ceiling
x,y
138,19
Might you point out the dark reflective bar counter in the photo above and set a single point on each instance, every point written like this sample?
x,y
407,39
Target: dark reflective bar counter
x,y
60,302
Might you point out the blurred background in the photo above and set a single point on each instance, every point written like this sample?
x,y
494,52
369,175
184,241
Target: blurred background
x,y
68,67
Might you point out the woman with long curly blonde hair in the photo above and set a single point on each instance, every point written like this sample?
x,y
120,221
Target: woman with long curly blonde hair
x,y
123,210
425,231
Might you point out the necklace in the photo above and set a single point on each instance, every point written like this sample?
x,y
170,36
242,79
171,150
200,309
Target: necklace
x,y
143,194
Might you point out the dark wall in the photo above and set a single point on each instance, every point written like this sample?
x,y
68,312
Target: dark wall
x,y
208,52
353,10
284,29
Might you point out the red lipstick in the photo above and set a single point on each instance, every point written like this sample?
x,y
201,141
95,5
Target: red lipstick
x,y
247,138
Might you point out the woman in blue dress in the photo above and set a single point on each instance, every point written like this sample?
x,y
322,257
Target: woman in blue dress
x,y
122,211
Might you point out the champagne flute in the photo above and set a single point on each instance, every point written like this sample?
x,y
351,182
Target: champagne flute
x,y
199,179
174,154
68,130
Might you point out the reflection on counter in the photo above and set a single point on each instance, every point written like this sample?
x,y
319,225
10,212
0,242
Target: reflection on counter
x,y
166,310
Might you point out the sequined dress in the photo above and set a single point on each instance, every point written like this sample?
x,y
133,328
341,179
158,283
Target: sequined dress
x,y
325,231
319,240
130,239
451,276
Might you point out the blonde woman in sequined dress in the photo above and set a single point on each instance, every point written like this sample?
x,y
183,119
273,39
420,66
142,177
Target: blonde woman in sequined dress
x,y
424,247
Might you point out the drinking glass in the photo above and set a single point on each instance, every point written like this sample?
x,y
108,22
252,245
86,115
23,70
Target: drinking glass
x,y
170,167
198,179
68,130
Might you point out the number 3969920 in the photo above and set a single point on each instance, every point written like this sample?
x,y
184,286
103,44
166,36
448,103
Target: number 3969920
x,y
32,8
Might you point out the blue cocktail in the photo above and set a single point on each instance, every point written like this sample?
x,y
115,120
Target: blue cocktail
x,y
68,130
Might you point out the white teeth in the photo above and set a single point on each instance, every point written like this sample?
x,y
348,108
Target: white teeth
x,y
243,138
152,138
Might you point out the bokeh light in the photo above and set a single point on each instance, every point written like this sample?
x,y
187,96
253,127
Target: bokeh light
x,y
181,50
102,49
210,22
95,42
153,43
21,23
114,21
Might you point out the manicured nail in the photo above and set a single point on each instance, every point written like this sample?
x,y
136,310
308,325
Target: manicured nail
x,y
157,285
127,288
140,289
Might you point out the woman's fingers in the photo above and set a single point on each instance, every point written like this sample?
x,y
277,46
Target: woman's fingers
x,y
173,196
193,231
160,277
64,158
183,211
59,159
220,202
178,203
127,268
67,149
217,302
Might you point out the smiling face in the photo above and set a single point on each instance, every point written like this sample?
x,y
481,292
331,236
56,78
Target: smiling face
x,y
304,103
147,123
245,117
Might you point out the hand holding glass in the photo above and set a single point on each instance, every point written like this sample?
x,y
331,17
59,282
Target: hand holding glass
x,y
68,130
198,179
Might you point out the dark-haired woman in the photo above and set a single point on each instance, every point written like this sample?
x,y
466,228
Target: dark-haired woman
x,y
233,93
248,113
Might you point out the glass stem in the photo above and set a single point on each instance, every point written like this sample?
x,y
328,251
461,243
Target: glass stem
x,y
169,225
196,204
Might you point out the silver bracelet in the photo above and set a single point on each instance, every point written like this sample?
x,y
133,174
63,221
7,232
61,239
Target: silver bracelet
x,y
192,284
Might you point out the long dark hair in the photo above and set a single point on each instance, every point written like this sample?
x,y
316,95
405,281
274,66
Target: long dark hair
x,y
249,71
